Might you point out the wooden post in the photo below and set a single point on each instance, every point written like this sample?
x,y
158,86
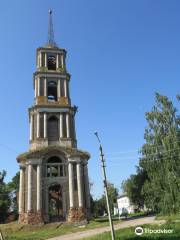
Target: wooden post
x,y
1,236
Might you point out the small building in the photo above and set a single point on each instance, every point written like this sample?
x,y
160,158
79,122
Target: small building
x,y
116,211
124,205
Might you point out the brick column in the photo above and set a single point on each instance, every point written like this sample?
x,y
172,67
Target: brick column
x,y
64,203
37,126
35,87
57,61
45,59
46,204
38,86
40,59
87,186
71,185
29,189
21,191
45,125
67,125
74,129
61,125
39,189
79,184
31,127
62,61
59,88
65,88
45,87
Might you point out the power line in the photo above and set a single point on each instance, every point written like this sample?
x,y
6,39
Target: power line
x,y
148,155
138,150
9,148
149,160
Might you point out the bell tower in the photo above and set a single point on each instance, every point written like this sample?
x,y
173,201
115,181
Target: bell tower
x,y
54,183
52,116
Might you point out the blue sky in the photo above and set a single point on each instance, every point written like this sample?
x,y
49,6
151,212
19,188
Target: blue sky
x,y
119,54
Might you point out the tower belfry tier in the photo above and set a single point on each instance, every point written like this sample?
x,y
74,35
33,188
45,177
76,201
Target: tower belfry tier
x,y
51,116
54,183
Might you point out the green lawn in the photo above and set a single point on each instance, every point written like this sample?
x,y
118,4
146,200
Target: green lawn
x,y
15,231
169,218
139,214
128,234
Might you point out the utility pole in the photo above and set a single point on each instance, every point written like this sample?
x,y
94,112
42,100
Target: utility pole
x,y
1,236
105,186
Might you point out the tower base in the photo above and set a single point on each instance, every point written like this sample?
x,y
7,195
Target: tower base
x,y
31,218
77,215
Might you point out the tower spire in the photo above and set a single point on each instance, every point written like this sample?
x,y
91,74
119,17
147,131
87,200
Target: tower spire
x,y
51,40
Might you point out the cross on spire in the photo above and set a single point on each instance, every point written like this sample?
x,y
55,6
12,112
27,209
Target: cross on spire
x,y
51,40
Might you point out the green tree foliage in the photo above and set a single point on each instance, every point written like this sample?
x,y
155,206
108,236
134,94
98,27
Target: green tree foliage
x,y
113,194
100,206
159,166
133,187
13,187
4,198
161,157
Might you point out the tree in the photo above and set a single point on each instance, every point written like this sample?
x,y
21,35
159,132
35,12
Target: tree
x,y
99,206
13,187
157,181
113,194
161,157
133,187
4,198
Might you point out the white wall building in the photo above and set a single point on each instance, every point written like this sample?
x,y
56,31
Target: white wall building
x,y
124,205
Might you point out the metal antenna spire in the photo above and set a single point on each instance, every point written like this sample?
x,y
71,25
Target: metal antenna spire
x,y
51,41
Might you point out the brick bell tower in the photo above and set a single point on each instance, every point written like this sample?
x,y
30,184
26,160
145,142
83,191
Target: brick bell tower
x,y
54,184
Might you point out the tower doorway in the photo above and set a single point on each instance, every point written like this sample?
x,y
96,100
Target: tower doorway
x,y
55,203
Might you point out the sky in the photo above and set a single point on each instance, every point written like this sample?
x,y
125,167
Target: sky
x,y
119,53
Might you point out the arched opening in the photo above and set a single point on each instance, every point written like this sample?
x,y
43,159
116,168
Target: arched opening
x,y
51,62
53,129
55,167
54,159
52,91
55,203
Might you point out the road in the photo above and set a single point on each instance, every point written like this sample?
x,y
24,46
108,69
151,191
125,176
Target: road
x,y
95,231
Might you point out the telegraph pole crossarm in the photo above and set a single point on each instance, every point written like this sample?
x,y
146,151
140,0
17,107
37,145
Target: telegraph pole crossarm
x,y
105,186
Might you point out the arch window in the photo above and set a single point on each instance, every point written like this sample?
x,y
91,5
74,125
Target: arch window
x,y
55,167
55,203
51,62
52,91
54,159
53,129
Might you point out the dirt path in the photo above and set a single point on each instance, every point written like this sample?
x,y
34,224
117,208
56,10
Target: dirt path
x,y
95,231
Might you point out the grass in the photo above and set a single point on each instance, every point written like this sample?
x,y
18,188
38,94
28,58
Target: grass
x,y
128,233
169,218
15,231
138,214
